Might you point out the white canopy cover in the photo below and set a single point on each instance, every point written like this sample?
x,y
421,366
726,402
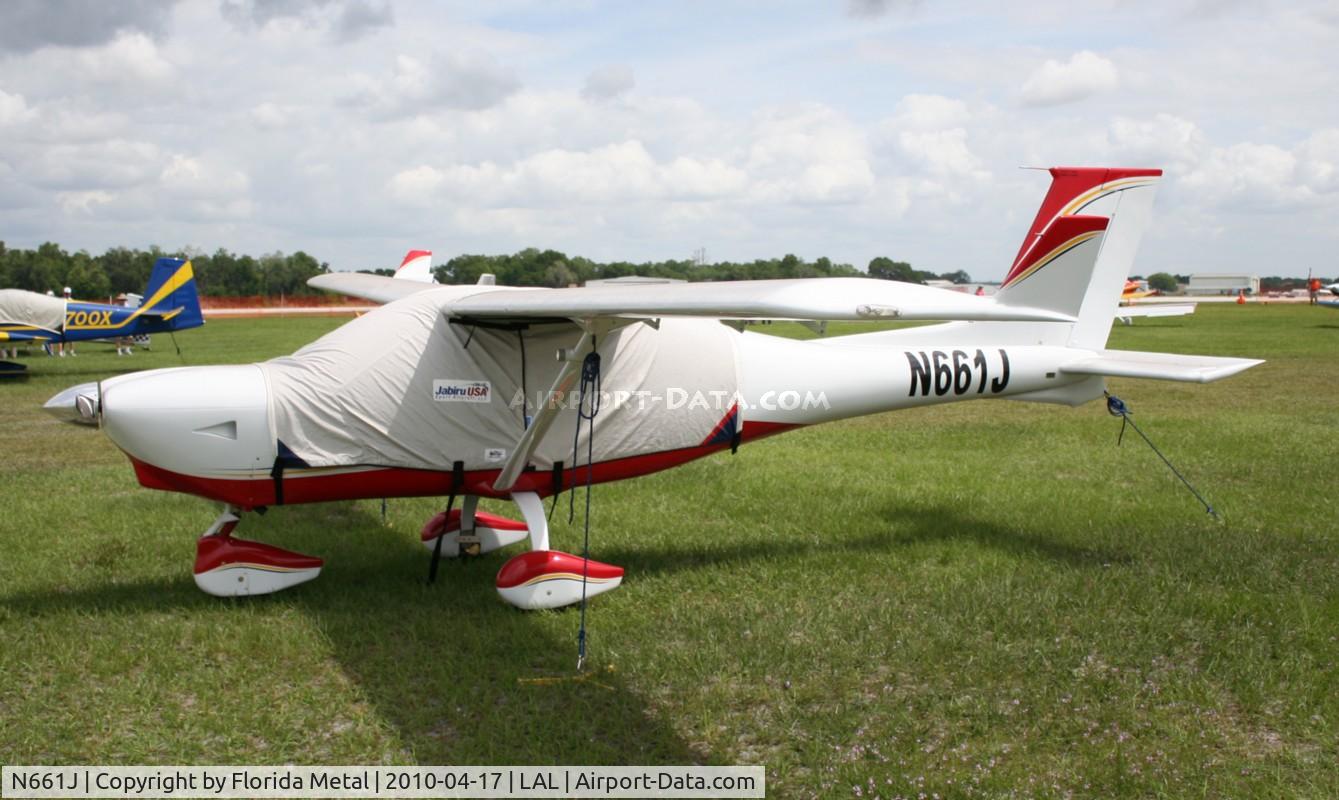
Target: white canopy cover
x,y
18,307
406,386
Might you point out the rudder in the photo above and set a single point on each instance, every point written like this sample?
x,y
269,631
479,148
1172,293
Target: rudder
x,y
172,286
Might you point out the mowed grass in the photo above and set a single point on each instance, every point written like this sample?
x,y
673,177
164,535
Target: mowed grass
x,y
976,600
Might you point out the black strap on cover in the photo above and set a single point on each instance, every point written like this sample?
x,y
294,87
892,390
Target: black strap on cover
x,y
557,486
457,479
277,475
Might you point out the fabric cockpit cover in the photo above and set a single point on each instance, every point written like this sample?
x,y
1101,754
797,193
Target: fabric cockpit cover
x,y
404,386
18,307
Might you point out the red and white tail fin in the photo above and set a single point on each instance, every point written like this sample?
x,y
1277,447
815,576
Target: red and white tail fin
x,y
1079,249
417,266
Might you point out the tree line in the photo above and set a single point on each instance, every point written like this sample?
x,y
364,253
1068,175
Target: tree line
x,y
222,273
534,267
120,269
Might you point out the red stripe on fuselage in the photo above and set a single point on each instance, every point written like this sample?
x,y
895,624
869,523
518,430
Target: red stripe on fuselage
x,y
248,493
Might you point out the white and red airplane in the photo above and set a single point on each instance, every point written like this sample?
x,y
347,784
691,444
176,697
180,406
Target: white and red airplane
x,y
456,389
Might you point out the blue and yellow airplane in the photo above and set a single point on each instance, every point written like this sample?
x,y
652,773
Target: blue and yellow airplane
x,y
171,304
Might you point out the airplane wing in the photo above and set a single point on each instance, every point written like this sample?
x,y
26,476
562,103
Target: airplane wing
x,y
377,288
1160,310
26,334
31,313
800,299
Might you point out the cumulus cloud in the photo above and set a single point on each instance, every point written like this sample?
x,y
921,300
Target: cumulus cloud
x,y
928,137
870,9
345,20
930,112
1053,83
418,185
608,82
614,173
111,164
357,18
1253,177
1249,176
1164,140
1318,161
809,154
210,188
60,122
269,115
461,81
27,25
83,202
943,153
14,109
130,58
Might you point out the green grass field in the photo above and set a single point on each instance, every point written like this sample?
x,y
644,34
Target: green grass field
x,y
978,600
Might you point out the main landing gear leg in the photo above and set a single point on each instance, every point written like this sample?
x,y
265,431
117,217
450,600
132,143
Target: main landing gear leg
x,y
544,578
228,567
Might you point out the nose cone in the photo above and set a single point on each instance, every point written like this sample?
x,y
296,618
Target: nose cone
x,y
78,404
203,421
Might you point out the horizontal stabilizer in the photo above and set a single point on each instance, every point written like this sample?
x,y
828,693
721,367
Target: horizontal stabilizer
x,y
1158,366
163,315
799,299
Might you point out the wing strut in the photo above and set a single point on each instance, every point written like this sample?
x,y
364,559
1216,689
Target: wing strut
x,y
548,411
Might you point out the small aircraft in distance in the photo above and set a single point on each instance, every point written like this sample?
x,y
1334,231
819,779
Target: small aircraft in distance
x,y
172,305
431,393
416,266
1138,290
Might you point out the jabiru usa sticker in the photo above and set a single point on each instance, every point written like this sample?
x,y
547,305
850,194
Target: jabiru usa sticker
x,y
461,391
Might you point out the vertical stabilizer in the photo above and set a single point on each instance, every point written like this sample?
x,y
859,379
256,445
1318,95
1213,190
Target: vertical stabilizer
x,y
417,266
171,287
1079,250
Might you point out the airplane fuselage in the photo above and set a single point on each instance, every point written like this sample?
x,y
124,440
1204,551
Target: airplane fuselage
x,y
210,431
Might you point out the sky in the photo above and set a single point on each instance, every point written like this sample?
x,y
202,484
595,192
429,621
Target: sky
x,y
359,129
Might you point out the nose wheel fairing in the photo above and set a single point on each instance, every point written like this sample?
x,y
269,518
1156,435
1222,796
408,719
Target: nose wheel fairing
x,y
229,567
